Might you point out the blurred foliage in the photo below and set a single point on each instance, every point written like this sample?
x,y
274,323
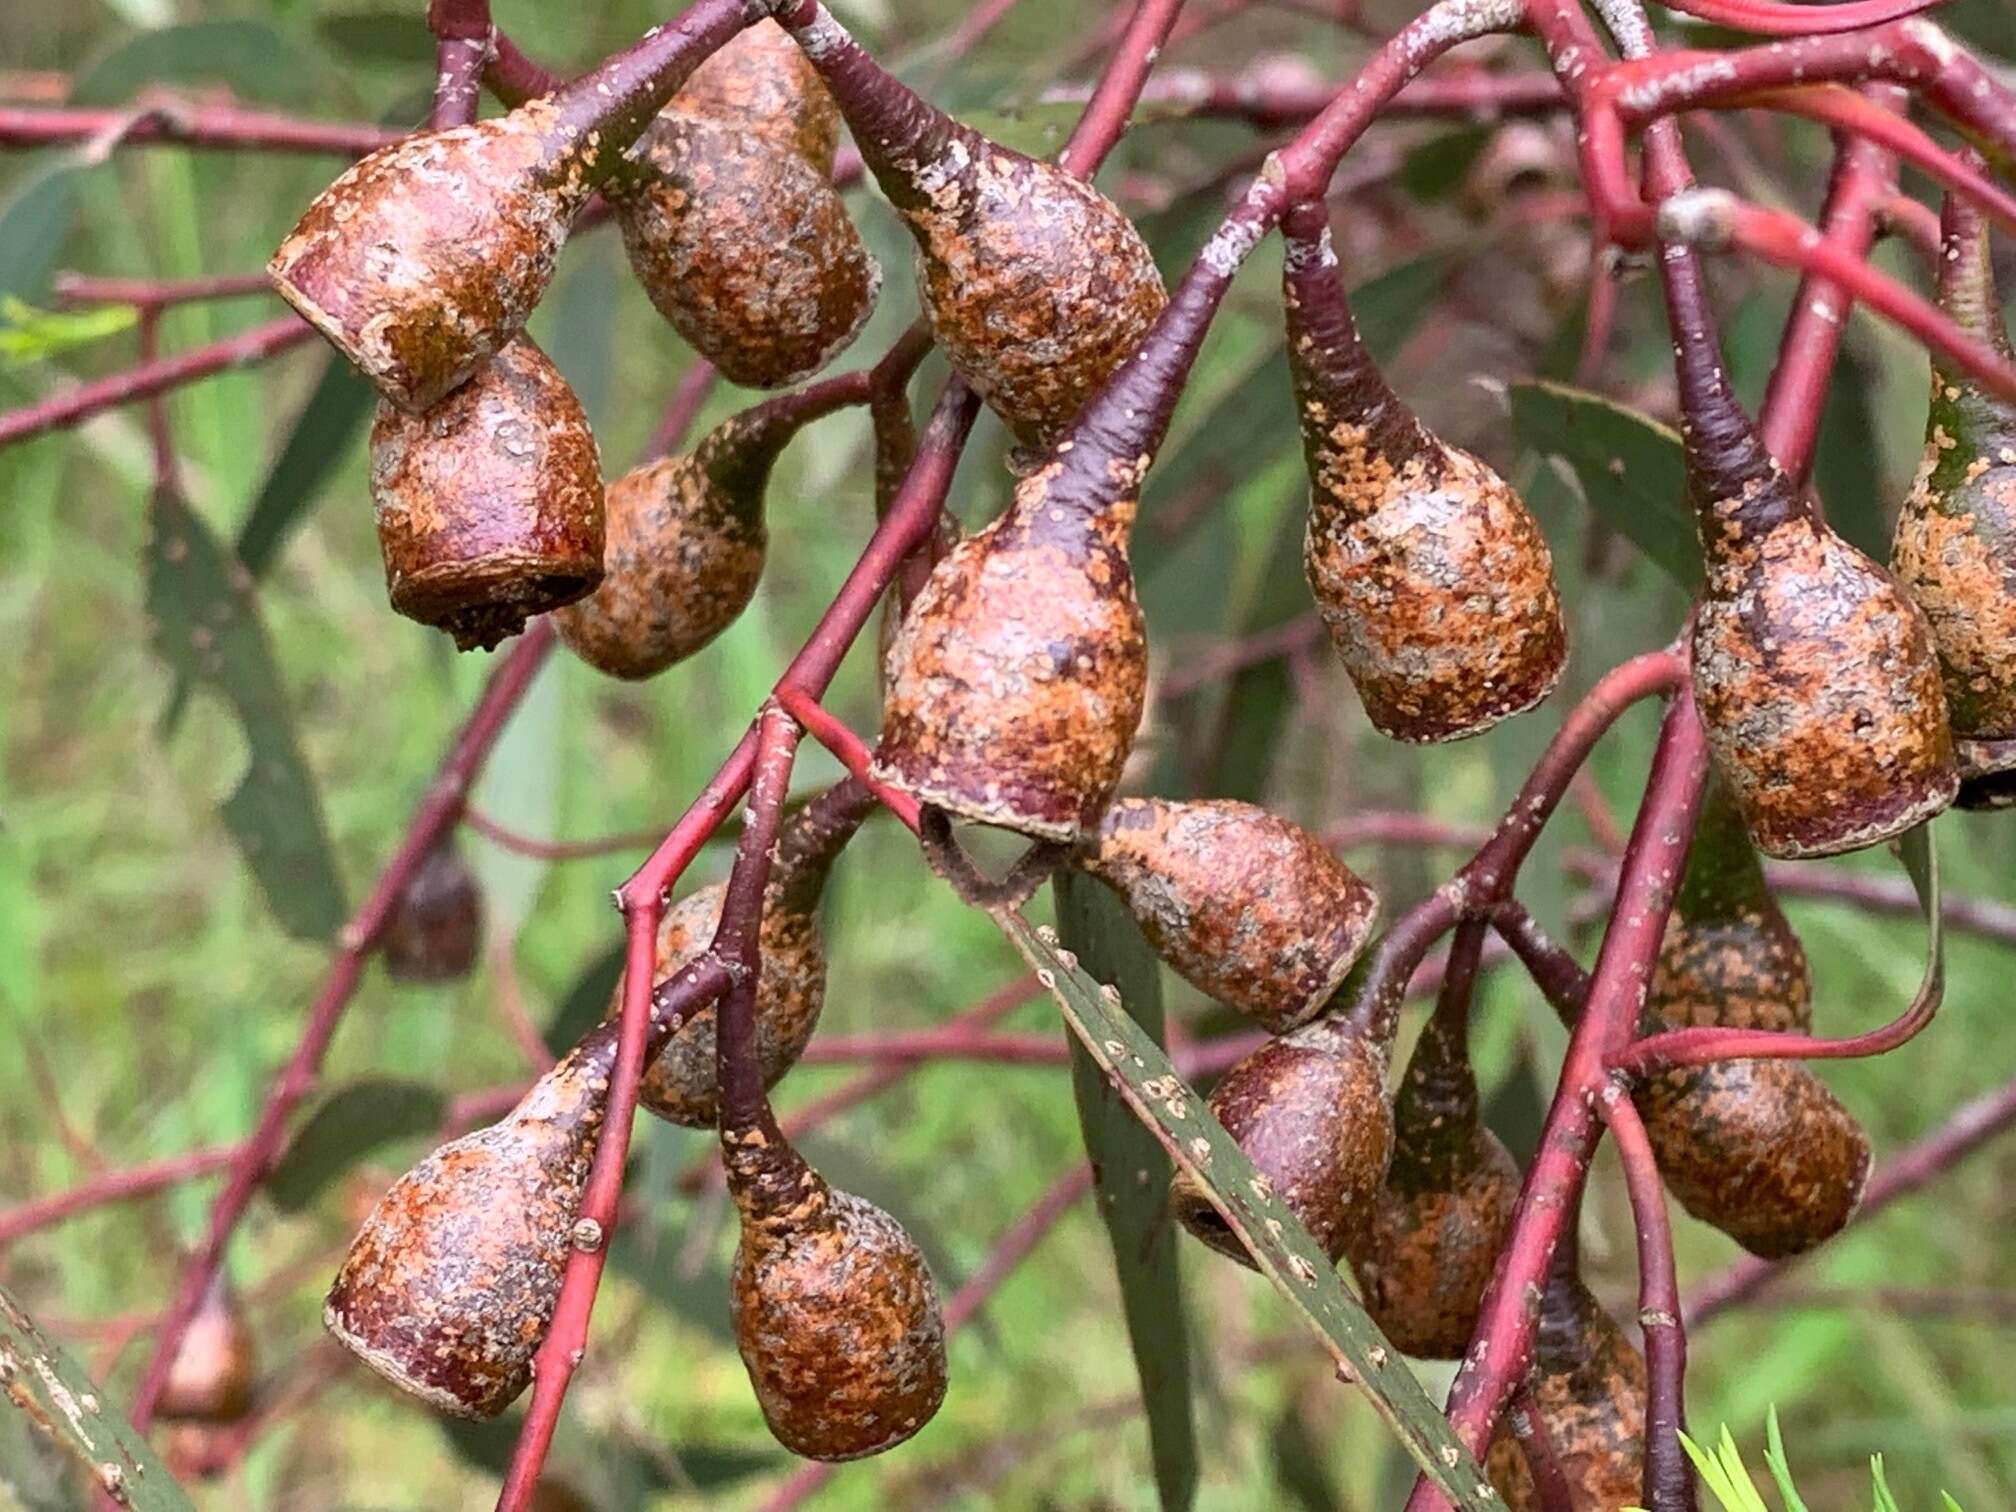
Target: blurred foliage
x,y
150,989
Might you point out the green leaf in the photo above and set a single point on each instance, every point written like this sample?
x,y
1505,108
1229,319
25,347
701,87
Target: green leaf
x,y
350,1123
1389,309
46,1387
1036,130
1433,168
379,37
31,335
1280,1245
207,628
1131,1179
321,435
1630,468
586,1002
256,61
35,221
1779,1466
1885,1502
1299,1469
487,1445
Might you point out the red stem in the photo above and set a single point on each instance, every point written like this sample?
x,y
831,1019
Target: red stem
x,y
1106,115
1550,1482
850,748
113,1186
183,123
434,816
555,850
73,289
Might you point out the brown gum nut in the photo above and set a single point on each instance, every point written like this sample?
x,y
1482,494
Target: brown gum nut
x,y
681,563
449,1287
1818,689
1987,774
1589,1390
1246,906
1435,584
760,81
1741,973
1017,679
1760,1149
1426,1254
215,1368
747,249
835,1311
490,504
1034,283
680,1084
426,257
1310,1111
437,926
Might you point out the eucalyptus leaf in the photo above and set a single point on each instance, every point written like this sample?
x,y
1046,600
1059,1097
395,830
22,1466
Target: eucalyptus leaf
x,y
349,1124
1629,466
46,1387
320,437
206,627
257,62
1036,131
35,221
1280,1246
587,1001
384,36
1131,1179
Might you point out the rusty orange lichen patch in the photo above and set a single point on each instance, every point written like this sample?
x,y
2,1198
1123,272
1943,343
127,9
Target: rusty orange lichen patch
x,y
1309,1110
489,504
1017,680
1247,907
449,1287
426,257
835,1312
1817,685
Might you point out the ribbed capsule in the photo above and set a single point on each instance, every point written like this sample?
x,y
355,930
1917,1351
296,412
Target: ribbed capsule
x,y
1309,1109
1432,577
449,1286
1427,1249
215,1372
1034,283
680,1083
1955,550
436,926
1588,1386
731,221
1814,673
835,1312
489,505
685,542
424,259
1245,906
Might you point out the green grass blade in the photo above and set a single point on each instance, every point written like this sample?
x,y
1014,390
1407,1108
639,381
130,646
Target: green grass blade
x,y
1778,1464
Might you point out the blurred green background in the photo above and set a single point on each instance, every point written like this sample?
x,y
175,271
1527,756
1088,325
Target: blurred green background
x,y
146,994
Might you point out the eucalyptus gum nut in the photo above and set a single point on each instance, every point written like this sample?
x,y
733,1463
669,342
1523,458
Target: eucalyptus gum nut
x,y
436,926
424,259
680,1084
1588,1387
450,1285
1987,774
1430,574
1746,973
1247,907
1758,1148
489,505
215,1372
1309,1109
1818,687
1017,679
762,83
1955,549
835,1312
1034,283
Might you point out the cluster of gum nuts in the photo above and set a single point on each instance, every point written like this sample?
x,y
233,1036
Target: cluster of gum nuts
x,y
1839,711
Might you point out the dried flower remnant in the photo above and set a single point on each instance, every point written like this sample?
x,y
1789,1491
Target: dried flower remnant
x,y
1309,1109
1588,1387
1436,1224
215,1373
449,1286
1955,551
679,1083
685,542
490,506
1247,907
424,259
1814,673
731,221
1431,576
437,924
1034,283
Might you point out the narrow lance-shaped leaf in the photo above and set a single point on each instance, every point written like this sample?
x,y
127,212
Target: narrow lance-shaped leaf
x,y
351,1122
1629,467
61,1402
1280,1245
207,628
1131,1178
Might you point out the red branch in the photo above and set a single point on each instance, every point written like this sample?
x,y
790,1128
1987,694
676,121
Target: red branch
x,y
180,123
114,1186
